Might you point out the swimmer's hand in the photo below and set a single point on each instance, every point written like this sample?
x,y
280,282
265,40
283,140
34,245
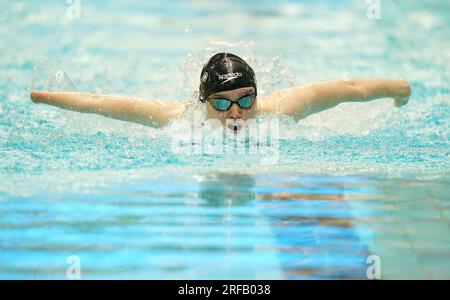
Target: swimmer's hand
x,y
400,101
146,112
404,91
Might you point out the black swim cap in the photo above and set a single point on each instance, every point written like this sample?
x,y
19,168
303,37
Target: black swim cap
x,y
224,72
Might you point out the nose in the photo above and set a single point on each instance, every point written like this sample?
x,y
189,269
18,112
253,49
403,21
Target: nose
x,y
234,112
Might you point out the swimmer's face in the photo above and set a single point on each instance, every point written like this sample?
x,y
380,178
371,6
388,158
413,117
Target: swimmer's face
x,y
235,112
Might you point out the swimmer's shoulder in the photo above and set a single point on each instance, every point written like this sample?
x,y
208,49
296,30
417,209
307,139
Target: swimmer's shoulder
x,y
160,111
271,103
288,101
174,108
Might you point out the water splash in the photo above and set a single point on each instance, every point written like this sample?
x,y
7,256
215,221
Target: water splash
x,y
47,76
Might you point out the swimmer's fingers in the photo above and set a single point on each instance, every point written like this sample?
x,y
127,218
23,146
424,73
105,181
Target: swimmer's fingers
x,y
37,96
403,91
49,97
400,101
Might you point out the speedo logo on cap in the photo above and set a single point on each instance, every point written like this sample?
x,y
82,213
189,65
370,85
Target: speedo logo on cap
x,y
229,76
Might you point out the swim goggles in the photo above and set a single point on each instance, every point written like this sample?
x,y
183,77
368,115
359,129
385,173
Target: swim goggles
x,y
223,104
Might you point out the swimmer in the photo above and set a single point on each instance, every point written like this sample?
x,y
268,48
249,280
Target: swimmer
x,y
229,91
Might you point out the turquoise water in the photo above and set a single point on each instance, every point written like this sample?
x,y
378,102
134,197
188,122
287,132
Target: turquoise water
x,y
355,181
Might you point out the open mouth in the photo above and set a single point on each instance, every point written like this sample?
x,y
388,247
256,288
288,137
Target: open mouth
x,y
235,125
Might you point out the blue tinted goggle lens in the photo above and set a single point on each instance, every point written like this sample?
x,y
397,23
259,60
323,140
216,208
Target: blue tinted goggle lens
x,y
223,104
245,102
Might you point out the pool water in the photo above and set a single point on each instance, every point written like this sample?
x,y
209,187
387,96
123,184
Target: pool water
x,y
361,180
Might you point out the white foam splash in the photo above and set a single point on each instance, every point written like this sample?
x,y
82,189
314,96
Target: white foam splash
x,y
50,77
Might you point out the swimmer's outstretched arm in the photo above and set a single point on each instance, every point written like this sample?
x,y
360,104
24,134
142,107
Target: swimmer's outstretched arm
x,y
146,112
301,102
